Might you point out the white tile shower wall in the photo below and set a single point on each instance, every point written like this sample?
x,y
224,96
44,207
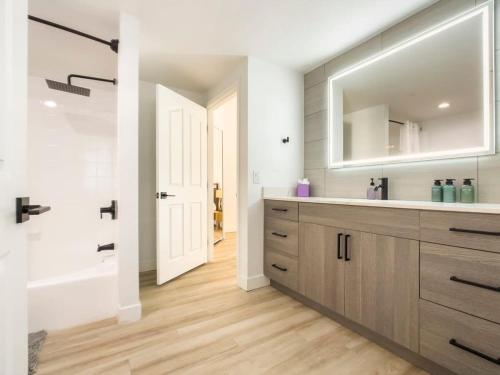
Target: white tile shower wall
x,y
71,164
408,181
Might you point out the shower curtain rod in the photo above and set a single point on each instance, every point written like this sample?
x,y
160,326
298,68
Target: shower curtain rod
x,y
113,44
397,122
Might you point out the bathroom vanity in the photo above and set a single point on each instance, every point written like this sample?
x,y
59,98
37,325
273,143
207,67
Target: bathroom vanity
x,y
420,278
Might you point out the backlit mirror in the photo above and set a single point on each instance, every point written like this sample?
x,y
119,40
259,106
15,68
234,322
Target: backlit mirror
x,y
428,98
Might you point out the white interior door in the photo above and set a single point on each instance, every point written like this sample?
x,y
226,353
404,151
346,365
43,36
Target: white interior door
x,y
181,182
13,264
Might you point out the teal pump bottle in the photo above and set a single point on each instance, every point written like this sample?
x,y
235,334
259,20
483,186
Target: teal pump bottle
x,y
467,191
437,191
449,191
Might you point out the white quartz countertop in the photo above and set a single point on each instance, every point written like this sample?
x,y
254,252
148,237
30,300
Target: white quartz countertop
x,y
485,208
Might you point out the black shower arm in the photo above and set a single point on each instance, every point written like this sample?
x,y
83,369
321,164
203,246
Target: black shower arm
x,y
113,81
113,44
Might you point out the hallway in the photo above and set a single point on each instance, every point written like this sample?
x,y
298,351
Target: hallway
x,y
202,323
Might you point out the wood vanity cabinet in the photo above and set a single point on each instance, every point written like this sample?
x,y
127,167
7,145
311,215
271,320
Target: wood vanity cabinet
x,y
382,286
369,278
426,280
322,265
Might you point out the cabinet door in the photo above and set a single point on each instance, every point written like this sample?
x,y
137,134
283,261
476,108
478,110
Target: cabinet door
x,y
321,272
382,286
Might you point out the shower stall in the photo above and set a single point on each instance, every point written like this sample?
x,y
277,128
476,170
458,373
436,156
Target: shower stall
x,y
72,167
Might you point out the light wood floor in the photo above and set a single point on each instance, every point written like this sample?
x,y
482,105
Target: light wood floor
x,y
202,323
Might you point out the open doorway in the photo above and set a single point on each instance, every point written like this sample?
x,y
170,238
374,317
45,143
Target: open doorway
x,y
223,200
225,182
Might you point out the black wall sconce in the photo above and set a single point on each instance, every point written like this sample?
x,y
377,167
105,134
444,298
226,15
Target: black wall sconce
x,y
286,140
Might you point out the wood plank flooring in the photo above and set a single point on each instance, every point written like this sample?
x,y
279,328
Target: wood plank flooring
x,y
202,323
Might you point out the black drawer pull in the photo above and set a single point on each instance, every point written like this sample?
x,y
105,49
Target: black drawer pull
x,y
280,268
489,287
339,238
280,209
475,352
475,231
279,235
346,248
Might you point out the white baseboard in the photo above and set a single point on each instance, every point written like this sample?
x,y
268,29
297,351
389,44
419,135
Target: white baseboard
x,y
147,265
130,313
254,282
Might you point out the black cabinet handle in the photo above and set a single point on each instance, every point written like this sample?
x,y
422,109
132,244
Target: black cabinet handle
x,y
280,209
475,352
479,285
279,235
339,239
487,233
346,247
280,268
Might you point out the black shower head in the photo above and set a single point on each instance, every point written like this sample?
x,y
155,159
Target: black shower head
x,y
66,87
72,89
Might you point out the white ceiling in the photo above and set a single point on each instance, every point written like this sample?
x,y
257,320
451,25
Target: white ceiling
x,y
192,44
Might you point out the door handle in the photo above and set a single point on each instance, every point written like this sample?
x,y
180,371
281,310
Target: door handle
x,y
24,209
339,239
164,195
346,248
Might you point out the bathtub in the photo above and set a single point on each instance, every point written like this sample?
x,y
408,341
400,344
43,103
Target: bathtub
x,y
74,299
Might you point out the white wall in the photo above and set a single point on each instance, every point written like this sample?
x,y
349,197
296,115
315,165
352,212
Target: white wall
x,y
270,107
147,176
128,168
275,111
13,257
463,130
367,133
72,168
225,118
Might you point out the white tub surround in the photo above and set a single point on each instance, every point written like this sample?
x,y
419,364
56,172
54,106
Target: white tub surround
x,y
74,299
484,208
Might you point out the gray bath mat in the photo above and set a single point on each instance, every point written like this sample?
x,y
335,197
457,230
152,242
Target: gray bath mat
x,y
35,343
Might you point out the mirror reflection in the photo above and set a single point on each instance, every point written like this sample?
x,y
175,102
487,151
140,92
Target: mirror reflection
x,y
424,99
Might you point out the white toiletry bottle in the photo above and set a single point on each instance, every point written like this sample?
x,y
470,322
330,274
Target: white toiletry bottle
x,y
371,193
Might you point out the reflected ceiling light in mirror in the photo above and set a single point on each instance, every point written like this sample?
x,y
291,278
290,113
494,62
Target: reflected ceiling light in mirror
x,y
444,105
50,103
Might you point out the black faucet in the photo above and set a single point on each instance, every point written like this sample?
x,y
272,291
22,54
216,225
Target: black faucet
x,y
384,186
109,246
113,210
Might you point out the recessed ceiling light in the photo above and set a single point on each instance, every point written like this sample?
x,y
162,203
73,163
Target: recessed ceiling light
x,y
50,103
444,105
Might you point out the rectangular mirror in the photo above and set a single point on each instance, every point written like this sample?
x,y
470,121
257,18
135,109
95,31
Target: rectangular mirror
x,y
429,98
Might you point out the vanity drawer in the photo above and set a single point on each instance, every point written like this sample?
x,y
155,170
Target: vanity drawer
x,y
475,231
282,209
282,235
281,268
458,341
463,279
403,223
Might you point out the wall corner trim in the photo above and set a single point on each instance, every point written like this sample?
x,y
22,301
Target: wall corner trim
x,y
253,282
130,313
